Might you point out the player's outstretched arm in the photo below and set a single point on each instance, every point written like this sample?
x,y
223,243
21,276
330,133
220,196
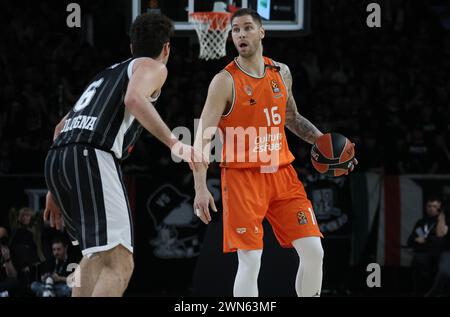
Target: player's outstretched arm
x,y
219,95
295,122
147,78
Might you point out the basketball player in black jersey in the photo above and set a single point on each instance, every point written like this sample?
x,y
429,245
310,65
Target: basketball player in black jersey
x,y
82,167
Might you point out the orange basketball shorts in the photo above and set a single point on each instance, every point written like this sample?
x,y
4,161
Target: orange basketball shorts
x,y
249,196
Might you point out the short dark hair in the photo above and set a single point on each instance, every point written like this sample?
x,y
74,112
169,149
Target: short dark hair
x,y
59,240
434,198
246,11
149,33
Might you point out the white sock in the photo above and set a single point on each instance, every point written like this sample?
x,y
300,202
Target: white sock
x,y
309,276
246,281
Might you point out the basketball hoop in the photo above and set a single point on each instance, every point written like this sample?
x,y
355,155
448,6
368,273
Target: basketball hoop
x,y
212,29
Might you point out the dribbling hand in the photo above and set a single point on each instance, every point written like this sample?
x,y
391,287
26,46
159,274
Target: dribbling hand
x,y
353,164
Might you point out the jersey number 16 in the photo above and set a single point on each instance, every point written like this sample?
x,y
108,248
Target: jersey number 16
x,y
273,116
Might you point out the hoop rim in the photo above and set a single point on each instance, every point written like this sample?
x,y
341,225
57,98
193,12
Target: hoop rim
x,y
212,29
208,14
211,15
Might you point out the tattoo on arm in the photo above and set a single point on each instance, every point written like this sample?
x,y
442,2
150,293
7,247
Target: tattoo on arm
x,y
295,122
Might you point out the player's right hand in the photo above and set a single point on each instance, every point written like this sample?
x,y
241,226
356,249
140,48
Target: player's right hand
x,y
353,163
203,200
52,212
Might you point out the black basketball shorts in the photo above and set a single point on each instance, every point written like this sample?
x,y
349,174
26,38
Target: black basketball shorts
x,y
88,186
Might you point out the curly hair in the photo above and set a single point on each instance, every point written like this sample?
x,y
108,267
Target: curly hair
x,y
149,33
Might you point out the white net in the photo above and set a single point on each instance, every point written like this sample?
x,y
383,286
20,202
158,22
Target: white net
x,y
212,29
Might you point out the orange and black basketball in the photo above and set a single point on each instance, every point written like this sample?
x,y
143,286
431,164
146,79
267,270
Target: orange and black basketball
x,y
332,154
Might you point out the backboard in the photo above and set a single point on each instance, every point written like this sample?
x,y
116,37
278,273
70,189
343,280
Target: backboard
x,y
278,15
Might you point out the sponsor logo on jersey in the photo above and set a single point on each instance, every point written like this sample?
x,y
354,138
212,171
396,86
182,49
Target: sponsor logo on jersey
x,y
241,230
80,122
275,87
301,217
269,142
278,96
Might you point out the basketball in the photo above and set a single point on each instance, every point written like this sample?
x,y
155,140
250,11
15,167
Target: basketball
x,y
332,154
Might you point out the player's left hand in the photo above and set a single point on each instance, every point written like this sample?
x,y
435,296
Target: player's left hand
x,y
194,157
353,163
203,200
52,213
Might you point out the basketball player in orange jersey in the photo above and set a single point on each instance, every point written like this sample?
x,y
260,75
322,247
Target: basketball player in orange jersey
x,y
254,92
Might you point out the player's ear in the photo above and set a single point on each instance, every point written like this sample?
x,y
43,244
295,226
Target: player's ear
x,y
165,52
166,49
262,32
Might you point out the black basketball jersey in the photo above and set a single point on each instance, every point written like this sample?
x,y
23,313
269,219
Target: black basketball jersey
x,y
100,118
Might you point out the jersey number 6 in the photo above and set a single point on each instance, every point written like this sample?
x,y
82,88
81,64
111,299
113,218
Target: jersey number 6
x,y
87,96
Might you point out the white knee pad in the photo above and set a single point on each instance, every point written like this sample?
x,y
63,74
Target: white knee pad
x,y
246,282
250,260
309,276
310,249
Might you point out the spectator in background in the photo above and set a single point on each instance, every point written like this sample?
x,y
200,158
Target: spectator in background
x,y
9,281
418,156
426,246
441,285
24,244
54,281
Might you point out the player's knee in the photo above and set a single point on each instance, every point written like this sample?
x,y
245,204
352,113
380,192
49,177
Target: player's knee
x,y
250,261
310,250
316,252
129,266
123,260
119,260
319,256
124,273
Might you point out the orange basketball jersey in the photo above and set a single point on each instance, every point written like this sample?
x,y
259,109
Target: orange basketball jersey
x,y
253,129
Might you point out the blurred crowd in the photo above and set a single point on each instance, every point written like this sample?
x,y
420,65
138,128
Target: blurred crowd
x,y
35,260
387,89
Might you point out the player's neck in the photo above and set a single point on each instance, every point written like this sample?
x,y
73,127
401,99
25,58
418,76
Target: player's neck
x,y
254,65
